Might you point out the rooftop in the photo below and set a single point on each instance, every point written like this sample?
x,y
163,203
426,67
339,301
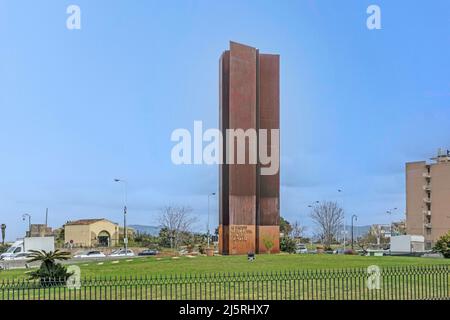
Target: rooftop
x,y
85,221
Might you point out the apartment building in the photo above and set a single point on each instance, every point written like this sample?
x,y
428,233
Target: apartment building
x,y
428,198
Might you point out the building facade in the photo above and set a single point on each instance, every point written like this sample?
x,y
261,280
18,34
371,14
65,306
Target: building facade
x,y
39,230
428,198
248,201
91,233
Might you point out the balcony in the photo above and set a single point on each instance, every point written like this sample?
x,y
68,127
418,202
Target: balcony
x,y
427,200
426,175
427,187
427,212
427,225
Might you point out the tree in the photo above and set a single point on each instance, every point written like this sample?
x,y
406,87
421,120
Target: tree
x,y
4,247
146,240
298,230
49,268
443,245
177,221
287,244
3,227
285,226
164,238
328,218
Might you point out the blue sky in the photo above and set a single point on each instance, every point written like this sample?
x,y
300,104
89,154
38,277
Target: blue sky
x,y
81,107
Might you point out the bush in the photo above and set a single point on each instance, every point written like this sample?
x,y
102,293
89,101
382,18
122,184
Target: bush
x,y
48,277
443,245
50,272
3,248
268,243
287,244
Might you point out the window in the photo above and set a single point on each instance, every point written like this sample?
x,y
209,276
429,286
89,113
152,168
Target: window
x,y
428,232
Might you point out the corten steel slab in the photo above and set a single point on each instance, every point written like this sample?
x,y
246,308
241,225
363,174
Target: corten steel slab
x,y
248,202
269,118
224,79
242,115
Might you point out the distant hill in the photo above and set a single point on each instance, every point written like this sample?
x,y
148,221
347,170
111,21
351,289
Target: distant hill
x,y
150,230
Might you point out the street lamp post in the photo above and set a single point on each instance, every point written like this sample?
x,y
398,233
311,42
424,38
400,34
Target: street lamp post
x,y
313,204
211,194
343,214
354,217
29,222
312,207
125,234
390,212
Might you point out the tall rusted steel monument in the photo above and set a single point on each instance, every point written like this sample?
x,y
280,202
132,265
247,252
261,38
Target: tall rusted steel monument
x,y
248,201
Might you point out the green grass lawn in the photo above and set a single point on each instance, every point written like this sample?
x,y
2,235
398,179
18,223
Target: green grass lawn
x,y
225,264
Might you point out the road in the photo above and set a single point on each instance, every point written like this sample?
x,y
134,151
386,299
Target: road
x,y
22,264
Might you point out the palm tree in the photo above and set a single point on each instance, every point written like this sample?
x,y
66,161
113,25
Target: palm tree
x,y
49,257
49,269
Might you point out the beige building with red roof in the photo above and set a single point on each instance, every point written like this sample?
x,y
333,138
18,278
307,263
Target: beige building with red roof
x,y
91,233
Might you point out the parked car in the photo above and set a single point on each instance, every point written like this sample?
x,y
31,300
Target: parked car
x,y
148,252
122,253
90,254
339,251
301,248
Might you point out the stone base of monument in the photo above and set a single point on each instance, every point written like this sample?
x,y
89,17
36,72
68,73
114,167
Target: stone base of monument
x,y
242,239
209,252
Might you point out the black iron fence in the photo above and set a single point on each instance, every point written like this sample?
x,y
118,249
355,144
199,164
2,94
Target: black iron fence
x,y
393,283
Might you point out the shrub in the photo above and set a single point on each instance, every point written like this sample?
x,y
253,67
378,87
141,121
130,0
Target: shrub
x,y
49,269
287,244
268,243
443,245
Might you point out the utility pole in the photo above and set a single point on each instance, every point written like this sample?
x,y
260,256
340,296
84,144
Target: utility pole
x,y
211,194
355,217
125,234
29,222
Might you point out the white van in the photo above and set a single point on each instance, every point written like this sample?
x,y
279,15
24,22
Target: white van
x,y
29,243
